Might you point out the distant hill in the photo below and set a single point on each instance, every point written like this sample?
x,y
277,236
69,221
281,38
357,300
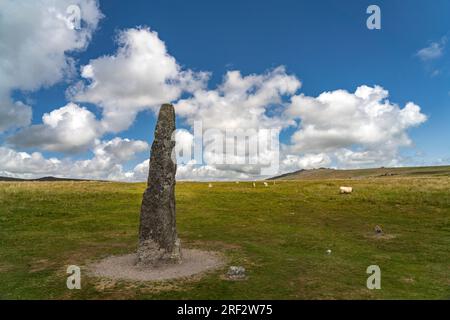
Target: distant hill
x,y
325,173
10,179
41,179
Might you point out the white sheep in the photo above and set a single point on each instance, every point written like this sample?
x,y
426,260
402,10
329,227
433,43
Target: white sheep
x,y
345,190
210,185
266,184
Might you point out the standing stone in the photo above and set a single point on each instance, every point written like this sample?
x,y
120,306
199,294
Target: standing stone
x,y
158,240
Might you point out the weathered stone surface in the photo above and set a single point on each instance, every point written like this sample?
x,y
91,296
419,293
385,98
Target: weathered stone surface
x,y
158,240
236,273
378,229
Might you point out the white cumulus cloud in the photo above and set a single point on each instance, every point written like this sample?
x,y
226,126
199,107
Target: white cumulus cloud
x,y
107,162
252,101
68,129
308,161
337,122
34,44
241,106
141,75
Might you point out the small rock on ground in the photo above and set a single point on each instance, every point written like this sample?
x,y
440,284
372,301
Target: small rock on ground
x,y
236,273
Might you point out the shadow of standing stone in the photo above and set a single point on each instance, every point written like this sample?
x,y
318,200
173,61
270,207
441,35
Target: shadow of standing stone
x,y
158,240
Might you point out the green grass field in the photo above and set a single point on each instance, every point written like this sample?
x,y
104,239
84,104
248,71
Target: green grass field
x,y
279,233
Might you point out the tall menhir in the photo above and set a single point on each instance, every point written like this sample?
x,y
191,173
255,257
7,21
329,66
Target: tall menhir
x,y
158,239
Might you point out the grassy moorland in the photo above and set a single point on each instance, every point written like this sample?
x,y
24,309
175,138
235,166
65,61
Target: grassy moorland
x,y
279,233
399,172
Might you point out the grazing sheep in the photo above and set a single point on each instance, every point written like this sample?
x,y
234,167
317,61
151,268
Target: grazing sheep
x,y
345,190
266,184
210,185
254,185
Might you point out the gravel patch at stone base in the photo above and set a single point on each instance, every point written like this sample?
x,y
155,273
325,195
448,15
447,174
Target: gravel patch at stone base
x,y
124,268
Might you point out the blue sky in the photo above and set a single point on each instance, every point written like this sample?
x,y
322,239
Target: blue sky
x,y
324,44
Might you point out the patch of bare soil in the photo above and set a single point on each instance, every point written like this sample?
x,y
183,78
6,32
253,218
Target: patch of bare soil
x,y
408,280
382,236
124,267
5,267
41,265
